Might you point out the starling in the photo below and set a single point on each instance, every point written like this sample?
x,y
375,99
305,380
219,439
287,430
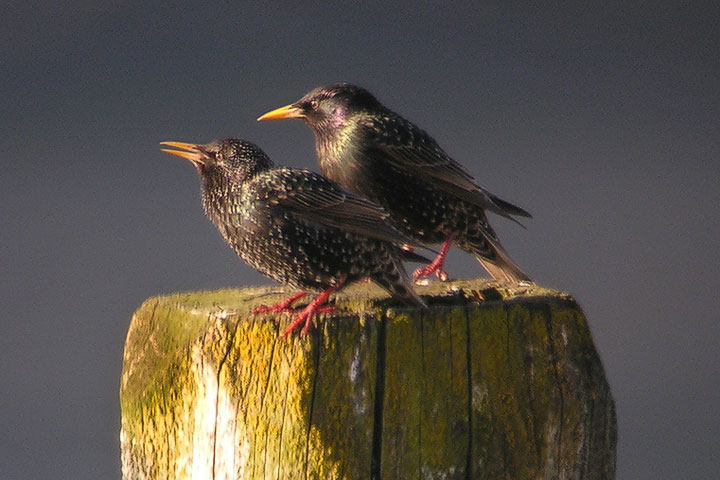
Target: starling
x,y
430,197
296,227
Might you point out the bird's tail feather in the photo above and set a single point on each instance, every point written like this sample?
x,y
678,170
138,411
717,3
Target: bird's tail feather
x,y
509,208
508,272
401,288
498,263
406,294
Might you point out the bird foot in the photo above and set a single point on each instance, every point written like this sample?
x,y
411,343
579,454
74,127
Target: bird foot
x,y
326,309
279,307
424,272
304,318
315,307
436,266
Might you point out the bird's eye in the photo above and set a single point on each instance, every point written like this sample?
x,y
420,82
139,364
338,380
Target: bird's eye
x,y
314,104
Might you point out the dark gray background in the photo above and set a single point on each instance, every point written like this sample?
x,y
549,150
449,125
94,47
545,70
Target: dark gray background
x,y
602,120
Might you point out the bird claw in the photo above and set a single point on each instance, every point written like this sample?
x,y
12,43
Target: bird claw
x,y
302,318
423,272
315,307
305,318
326,309
279,307
442,274
436,266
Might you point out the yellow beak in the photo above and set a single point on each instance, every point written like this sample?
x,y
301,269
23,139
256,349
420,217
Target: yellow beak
x,y
192,152
288,111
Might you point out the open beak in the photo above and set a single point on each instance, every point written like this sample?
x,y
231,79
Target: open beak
x,y
188,151
288,111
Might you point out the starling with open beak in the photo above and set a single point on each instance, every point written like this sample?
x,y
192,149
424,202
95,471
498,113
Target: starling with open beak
x,y
430,197
297,227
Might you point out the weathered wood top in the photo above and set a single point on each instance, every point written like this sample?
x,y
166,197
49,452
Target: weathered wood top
x,y
490,382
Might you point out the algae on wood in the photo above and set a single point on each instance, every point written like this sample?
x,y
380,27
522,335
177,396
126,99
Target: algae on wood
x,y
490,382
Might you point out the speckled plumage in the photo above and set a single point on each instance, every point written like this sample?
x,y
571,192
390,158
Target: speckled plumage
x,y
296,226
375,152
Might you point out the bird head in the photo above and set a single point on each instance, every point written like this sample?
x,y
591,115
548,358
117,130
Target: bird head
x,y
327,107
234,159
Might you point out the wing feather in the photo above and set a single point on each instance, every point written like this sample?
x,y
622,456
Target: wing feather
x,y
411,149
313,197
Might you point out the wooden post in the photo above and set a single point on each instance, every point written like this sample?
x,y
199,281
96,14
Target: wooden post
x,y
491,382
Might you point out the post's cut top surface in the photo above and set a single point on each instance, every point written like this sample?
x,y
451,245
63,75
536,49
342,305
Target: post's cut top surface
x,y
355,298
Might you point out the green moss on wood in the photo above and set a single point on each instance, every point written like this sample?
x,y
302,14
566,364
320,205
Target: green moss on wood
x,y
491,382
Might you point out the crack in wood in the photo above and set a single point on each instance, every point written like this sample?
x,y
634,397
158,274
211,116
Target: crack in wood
x,y
421,392
547,310
376,450
316,345
468,362
221,364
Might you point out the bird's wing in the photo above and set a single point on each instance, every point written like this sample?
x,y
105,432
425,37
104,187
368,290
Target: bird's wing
x,y
411,149
315,198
